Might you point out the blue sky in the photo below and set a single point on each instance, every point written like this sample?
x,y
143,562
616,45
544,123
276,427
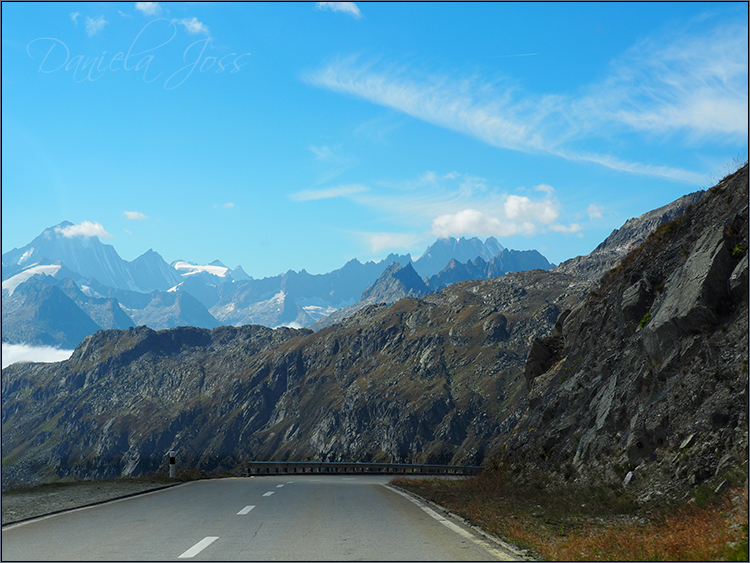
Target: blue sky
x,y
291,136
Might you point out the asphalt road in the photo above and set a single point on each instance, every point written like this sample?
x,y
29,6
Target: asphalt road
x,y
292,518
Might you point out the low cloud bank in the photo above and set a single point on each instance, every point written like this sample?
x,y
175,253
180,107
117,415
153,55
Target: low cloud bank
x,y
14,353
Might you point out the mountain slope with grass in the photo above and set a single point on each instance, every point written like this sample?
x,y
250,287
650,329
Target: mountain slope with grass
x,y
451,377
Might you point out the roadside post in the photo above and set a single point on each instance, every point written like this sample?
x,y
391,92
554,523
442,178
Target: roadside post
x,y
171,464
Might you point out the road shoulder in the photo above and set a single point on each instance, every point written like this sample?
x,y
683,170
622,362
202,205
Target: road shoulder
x,y
496,546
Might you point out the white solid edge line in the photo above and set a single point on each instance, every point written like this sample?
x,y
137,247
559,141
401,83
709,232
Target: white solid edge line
x,y
500,554
247,509
198,547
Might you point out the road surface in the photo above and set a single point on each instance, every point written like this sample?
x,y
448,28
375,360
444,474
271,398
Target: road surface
x,y
292,518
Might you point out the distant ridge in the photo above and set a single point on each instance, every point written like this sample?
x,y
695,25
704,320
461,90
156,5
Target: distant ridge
x,y
442,251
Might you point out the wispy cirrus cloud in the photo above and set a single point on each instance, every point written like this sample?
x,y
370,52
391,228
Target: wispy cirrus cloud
x,y
692,86
392,242
84,229
331,162
134,216
694,82
327,193
346,7
74,17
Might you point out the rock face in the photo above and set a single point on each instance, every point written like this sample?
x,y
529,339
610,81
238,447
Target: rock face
x,y
395,283
650,372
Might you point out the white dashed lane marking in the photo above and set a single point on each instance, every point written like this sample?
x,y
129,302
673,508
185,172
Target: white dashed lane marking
x,y
268,494
198,547
245,510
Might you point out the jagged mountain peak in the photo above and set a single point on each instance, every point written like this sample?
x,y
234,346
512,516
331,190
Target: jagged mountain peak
x,y
462,249
396,282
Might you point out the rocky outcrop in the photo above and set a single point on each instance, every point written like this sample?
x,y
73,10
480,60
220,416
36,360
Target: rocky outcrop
x,y
648,376
632,234
395,283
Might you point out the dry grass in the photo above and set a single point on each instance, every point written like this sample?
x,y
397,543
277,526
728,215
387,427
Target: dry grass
x,y
572,523
695,534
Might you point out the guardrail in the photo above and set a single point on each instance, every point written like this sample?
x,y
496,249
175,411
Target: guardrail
x,y
317,467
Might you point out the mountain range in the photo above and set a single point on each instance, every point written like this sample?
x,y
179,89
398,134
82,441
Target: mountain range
x,y
625,367
91,277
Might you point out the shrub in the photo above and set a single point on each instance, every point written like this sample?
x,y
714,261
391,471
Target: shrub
x,y
645,320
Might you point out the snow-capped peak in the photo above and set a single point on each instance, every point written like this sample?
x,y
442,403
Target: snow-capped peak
x,y
188,269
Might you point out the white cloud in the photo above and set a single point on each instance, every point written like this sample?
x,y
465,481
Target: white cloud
x,y
345,7
134,216
148,8
519,216
193,26
572,228
693,85
74,17
595,211
85,229
391,242
453,204
521,208
13,353
473,222
95,25
545,188
228,205
340,191
124,15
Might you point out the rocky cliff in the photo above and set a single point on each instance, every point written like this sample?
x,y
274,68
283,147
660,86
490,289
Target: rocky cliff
x,y
645,381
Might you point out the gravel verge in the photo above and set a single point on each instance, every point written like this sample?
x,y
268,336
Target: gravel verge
x,y
24,504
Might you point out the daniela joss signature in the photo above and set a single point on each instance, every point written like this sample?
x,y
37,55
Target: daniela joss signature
x,y
55,56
